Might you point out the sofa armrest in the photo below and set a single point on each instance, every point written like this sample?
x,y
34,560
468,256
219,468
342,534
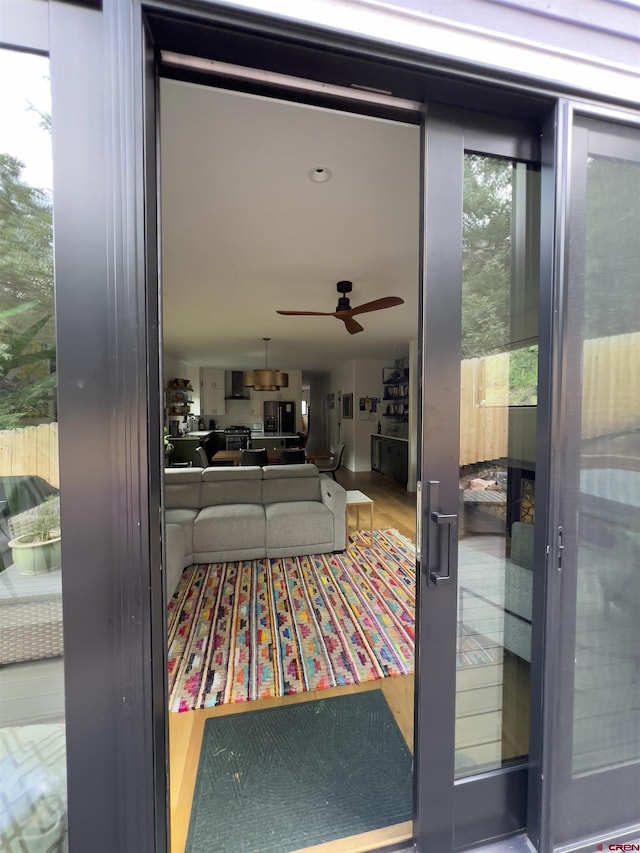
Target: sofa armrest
x,y
334,497
176,540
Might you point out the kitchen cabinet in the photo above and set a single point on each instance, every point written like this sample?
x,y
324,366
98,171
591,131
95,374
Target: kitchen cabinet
x,y
184,450
184,447
212,392
390,457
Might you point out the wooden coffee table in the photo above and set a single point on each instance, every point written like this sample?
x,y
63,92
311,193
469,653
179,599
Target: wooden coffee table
x,y
357,499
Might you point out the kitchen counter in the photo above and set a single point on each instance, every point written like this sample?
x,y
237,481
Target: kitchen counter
x,y
273,434
394,437
196,433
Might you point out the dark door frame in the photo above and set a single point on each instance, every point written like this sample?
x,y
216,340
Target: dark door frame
x,y
495,805
585,130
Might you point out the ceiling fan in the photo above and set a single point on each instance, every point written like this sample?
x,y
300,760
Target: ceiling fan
x,y
345,312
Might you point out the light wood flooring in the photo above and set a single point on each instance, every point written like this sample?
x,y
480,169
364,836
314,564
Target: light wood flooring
x,y
394,508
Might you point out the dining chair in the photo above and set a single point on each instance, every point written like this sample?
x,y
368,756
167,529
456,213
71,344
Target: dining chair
x,y
335,463
292,456
204,461
254,457
302,439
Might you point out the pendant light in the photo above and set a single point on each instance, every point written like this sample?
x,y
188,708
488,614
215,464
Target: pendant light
x,y
266,379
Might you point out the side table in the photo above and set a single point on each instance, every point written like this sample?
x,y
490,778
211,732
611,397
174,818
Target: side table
x,y
358,500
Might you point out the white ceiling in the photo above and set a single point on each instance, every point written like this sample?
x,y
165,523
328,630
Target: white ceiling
x,y
245,231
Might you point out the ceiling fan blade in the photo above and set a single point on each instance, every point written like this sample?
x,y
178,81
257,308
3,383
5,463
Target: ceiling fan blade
x,y
353,327
308,313
376,305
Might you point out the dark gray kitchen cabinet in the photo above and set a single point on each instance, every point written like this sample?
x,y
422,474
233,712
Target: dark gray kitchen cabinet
x,y
390,456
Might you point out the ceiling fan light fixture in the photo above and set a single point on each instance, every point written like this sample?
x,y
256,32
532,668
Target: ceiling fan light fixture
x,y
266,379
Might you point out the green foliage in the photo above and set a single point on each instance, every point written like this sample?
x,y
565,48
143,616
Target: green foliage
x,y
523,376
46,521
612,248
168,446
27,355
486,271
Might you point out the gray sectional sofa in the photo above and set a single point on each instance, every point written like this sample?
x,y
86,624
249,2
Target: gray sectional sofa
x,y
243,513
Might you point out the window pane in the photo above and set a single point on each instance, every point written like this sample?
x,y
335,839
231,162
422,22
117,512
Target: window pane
x,y
498,395
604,317
32,732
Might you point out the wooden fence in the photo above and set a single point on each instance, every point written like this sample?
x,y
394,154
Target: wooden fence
x,y
610,405
610,389
611,385
484,410
31,450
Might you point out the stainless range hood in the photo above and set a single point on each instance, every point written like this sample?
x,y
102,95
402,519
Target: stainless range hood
x,y
235,389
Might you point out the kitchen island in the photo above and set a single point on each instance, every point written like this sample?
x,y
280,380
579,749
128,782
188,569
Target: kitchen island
x,y
273,441
184,446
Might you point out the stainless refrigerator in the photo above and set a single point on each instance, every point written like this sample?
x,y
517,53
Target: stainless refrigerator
x,y
279,417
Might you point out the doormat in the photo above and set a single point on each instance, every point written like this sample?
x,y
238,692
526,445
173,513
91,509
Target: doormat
x,y
280,779
256,629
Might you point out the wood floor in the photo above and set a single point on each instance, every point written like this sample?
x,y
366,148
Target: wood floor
x,y
394,508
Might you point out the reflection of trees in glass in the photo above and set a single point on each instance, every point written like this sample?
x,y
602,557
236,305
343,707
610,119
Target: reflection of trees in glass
x,y
523,376
486,270
612,291
27,382
486,274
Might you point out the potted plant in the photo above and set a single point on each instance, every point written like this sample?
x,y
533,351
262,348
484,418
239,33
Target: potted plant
x,y
36,546
168,446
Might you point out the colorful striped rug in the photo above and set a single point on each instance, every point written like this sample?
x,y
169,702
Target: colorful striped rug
x,y
256,629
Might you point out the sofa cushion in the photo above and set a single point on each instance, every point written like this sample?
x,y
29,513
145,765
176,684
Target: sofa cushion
x,y
237,485
185,518
182,487
299,527
228,528
290,483
175,552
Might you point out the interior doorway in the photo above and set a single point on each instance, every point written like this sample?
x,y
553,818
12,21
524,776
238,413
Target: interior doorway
x,y
247,229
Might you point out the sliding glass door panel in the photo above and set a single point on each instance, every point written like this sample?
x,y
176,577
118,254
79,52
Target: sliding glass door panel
x,y
598,776
477,470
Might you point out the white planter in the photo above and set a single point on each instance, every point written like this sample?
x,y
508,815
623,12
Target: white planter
x,y
44,831
35,558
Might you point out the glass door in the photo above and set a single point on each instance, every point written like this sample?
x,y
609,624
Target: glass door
x,y
478,463
597,741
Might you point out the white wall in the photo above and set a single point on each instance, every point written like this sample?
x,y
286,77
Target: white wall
x,y
341,431
362,378
368,383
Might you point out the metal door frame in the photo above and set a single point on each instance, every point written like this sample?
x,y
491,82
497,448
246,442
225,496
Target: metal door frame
x,y
554,721
451,815
107,306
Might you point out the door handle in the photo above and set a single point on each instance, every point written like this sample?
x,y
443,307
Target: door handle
x,y
438,557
